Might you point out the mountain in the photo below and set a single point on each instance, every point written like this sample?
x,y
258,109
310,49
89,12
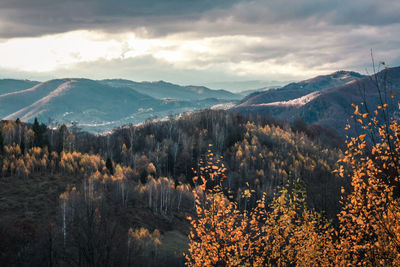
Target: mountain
x,y
162,90
299,89
16,100
246,93
249,85
94,105
12,85
330,107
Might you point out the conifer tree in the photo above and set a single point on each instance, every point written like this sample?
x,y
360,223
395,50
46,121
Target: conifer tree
x,y
109,166
40,130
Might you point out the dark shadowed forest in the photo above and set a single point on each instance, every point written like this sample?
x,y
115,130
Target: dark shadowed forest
x,y
73,198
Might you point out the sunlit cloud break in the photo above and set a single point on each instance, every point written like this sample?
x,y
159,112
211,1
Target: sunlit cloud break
x,y
236,54
51,52
197,43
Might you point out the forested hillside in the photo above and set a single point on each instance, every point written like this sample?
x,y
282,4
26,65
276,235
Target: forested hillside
x,y
73,198
332,106
13,85
285,231
299,89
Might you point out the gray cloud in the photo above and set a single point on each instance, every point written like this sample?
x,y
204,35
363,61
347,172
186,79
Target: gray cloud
x,y
38,17
160,17
313,35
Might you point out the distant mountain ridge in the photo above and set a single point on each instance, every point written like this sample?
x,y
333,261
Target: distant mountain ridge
x,y
99,106
329,107
12,85
299,89
163,89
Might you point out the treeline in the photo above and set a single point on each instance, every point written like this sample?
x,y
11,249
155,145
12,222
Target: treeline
x,y
126,189
257,149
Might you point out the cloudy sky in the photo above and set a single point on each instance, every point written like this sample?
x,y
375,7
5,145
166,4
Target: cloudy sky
x,y
202,42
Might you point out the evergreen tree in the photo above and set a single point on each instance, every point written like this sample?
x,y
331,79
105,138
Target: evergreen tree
x,y
1,141
40,131
109,165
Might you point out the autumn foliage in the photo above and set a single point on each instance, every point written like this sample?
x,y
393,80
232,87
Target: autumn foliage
x,y
369,221
285,231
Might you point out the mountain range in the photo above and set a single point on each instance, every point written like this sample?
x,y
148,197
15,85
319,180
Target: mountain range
x,y
324,100
99,106
165,90
299,89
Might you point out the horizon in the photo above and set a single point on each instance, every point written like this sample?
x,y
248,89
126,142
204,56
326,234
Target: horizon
x,y
267,84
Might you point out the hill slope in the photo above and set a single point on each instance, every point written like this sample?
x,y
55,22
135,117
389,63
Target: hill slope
x,y
14,101
96,106
12,85
163,89
330,107
299,89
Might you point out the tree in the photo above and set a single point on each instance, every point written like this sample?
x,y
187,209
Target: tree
x,y
40,130
283,233
1,141
143,245
66,139
369,221
110,166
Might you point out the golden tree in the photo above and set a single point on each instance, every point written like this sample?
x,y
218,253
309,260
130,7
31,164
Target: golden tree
x,y
283,233
369,221
217,234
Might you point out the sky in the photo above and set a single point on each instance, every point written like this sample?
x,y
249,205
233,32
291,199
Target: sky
x,y
230,44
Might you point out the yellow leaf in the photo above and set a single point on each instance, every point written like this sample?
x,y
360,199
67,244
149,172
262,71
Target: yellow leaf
x,y
356,111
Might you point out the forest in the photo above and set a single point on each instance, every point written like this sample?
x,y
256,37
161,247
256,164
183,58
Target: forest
x,y
206,188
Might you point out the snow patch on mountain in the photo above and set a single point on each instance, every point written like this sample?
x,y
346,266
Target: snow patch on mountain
x,y
298,102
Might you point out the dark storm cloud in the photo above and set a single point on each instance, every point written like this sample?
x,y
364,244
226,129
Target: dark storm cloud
x,y
37,17
160,17
353,12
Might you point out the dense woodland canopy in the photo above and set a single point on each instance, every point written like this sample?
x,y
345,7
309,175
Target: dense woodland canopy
x,y
72,197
